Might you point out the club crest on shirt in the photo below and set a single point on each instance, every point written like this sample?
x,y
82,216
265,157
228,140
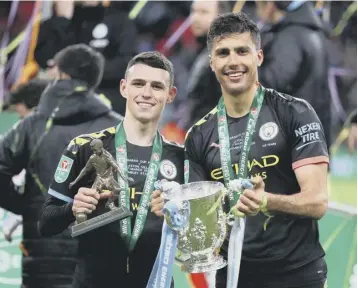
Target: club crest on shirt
x,y
168,169
63,169
268,131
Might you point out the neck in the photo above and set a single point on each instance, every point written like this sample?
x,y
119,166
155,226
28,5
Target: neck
x,y
239,105
138,133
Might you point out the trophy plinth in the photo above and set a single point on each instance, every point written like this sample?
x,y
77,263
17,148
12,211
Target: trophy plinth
x,y
100,220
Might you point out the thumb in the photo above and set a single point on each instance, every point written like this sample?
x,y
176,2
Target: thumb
x,y
105,194
258,182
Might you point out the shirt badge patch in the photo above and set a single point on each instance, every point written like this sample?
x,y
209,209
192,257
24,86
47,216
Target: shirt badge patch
x,y
168,169
63,169
268,131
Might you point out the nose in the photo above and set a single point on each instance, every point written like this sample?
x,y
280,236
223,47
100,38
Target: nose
x,y
147,93
233,59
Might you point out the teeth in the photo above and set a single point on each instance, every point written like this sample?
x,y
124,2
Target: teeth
x,y
236,74
145,105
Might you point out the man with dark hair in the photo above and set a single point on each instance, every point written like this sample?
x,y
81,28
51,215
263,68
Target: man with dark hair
x,y
81,62
26,97
67,108
203,91
254,131
296,62
22,100
112,255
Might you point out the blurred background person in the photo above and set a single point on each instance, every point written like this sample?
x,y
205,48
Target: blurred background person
x,y
26,97
22,101
107,30
294,42
67,108
202,91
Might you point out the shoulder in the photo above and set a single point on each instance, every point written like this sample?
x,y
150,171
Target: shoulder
x,y
284,103
204,125
82,142
171,145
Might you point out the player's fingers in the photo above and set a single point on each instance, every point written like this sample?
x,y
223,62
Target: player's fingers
x,y
157,206
86,199
243,208
251,195
156,194
157,201
105,195
82,210
86,205
250,204
89,192
77,210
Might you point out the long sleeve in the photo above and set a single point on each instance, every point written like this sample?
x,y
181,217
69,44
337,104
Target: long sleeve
x,y
57,211
13,159
56,217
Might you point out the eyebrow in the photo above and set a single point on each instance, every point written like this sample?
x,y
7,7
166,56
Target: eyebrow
x,y
152,82
221,49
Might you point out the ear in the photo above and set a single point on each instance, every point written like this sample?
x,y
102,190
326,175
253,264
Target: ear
x,y
123,88
260,57
172,94
211,64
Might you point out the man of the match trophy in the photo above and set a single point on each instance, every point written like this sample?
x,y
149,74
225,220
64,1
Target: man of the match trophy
x,y
104,165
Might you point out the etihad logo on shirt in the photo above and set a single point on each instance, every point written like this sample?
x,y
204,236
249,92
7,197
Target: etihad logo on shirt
x,y
263,162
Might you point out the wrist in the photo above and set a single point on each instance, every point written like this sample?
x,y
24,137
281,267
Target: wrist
x,y
265,202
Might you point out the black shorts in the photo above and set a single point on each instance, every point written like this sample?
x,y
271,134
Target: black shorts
x,y
311,275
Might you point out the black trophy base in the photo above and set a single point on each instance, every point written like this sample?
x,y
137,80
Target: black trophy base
x,y
100,220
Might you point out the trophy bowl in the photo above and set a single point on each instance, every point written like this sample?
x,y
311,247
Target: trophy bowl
x,y
200,240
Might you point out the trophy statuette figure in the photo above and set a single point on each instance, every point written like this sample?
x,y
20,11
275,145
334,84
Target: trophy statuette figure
x,y
104,165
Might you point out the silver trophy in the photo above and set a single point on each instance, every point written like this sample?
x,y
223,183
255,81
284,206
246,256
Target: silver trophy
x,y
200,240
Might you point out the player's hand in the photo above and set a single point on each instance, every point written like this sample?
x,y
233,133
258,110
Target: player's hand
x,y
157,203
251,200
85,201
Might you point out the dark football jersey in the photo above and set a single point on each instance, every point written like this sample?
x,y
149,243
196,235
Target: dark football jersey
x,y
103,253
288,135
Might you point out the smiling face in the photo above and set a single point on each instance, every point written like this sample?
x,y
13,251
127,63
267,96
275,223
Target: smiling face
x,y
234,60
147,90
